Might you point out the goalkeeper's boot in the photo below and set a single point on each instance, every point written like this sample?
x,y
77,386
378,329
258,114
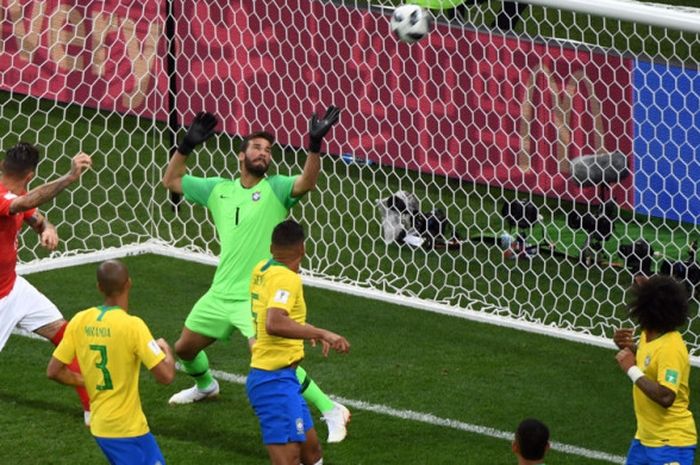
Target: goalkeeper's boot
x,y
337,420
194,394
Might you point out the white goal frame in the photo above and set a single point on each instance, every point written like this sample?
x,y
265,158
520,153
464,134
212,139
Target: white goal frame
x,y
683,19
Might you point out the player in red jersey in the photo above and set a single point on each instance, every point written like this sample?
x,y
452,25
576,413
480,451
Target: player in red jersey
x,y
21,305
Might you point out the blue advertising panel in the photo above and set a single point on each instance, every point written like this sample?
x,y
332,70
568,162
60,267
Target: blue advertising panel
x,y
667,141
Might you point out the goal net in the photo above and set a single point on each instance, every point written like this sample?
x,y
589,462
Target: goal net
x,y
518,165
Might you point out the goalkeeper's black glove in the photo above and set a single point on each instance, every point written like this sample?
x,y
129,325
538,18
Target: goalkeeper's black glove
x,y
320,127
200,130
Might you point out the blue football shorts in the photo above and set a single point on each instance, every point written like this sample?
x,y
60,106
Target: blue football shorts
x,y
640,454
281,410
139,450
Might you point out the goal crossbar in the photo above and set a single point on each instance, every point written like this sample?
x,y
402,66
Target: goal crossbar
x,y
673,18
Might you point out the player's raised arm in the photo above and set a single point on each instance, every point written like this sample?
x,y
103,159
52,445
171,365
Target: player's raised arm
x,y
48,236
80,163
623,338
201,129
318,128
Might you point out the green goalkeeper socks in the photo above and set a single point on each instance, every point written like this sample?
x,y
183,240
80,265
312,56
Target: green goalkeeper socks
x,y
312,393
198,368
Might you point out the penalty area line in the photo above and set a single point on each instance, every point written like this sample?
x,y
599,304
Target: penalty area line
x,y
445,422
427,418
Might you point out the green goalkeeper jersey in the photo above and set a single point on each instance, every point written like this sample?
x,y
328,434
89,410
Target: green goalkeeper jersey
x,y
244,220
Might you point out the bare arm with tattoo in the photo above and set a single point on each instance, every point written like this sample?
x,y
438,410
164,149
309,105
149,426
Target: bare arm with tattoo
x,y
48,191
47,231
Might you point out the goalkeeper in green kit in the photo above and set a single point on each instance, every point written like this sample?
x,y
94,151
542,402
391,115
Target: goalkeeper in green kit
x,y
245,211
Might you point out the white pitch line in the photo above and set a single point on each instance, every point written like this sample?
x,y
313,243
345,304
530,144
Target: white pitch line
x,y
437,421
421,417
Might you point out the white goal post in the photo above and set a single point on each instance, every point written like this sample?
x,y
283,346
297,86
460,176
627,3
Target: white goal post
x,y
674,18
563,151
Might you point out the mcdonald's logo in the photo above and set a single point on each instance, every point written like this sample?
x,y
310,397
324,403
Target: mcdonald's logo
x,y
561,114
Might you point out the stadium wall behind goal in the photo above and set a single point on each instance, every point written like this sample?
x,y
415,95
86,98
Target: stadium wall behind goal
x,y
464,103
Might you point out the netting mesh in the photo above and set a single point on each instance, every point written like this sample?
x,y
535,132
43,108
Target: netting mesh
x,y
561,148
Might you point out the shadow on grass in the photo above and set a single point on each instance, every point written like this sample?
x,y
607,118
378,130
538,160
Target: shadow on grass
x,y
42,406
211,437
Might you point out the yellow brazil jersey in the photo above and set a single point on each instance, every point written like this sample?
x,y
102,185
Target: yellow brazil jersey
x,y
111,345
665,360
273,285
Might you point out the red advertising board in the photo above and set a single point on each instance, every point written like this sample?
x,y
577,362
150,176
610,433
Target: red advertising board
x,y
473,105
102,54
468,104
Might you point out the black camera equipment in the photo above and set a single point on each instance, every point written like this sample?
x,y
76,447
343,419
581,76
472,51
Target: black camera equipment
x,y
436,228
406,206
687,272
637,257
404,223
601,171
599,224
433,225
523,216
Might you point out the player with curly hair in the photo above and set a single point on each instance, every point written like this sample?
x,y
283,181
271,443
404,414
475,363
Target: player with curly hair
x,y
659,367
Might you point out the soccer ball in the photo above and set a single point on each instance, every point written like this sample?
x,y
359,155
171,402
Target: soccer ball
x,y
411,23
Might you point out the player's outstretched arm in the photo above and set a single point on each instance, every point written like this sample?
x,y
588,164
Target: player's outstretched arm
x,y
318,128
164,372
279,324
80,163
59,372
331,340
201,129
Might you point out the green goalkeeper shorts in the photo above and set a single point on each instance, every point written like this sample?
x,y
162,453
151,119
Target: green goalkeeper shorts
x,y
216,317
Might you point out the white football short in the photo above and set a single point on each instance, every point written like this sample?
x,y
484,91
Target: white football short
x,y
25,307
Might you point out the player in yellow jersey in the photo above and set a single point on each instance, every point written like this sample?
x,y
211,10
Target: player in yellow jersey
x,y
279,314
110,346
659,368
244,211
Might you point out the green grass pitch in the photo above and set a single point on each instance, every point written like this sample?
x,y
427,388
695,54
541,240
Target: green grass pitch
x,y
403,363
401,358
